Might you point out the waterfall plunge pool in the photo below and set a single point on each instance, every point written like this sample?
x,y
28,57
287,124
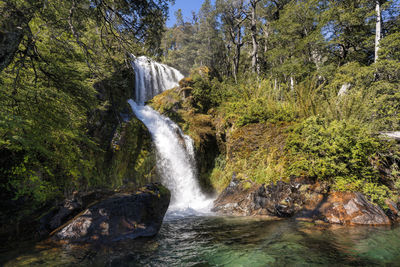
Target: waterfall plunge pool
x,y
227,241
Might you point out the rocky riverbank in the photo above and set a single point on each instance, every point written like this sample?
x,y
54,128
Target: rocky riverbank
x,y
303,200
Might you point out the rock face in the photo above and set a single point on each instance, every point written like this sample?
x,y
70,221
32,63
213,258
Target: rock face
x,y
123,216
302,199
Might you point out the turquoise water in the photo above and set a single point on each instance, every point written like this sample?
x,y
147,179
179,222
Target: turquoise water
x,y
222,241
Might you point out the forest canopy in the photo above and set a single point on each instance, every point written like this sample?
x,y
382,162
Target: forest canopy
x,y
52,54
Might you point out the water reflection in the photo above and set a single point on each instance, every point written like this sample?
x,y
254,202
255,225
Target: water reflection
x,y
222,241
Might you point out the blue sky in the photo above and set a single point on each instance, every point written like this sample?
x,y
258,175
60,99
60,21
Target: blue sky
x,y
187,7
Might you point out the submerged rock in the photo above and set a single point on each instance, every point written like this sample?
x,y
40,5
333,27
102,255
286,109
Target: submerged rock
x,y
123,216
302,199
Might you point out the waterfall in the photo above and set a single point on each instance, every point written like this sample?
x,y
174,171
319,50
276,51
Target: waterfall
x,y
175,151
153,78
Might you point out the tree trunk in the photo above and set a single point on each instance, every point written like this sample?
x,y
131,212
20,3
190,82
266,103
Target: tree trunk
x,y
378,33
254,54
236,60
291,83
13,27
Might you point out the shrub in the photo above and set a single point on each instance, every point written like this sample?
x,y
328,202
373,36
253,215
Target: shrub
x,y
341,152
327,150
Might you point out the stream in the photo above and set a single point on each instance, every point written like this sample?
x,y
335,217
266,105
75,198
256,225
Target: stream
x,y
227,241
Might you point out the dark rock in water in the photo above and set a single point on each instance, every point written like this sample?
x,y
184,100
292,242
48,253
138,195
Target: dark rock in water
x,y
303,199
68,209
58,216
123,216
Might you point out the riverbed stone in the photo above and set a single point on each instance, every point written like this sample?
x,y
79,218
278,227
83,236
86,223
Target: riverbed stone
x,y
122,216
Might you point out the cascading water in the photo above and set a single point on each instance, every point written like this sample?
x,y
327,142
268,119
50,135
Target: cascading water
x,y
175,152
153,78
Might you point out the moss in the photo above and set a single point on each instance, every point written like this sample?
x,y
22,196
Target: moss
x,y
186,82
133,163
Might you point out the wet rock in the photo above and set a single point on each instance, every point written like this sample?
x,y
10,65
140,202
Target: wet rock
x,y
352,209
245,198
305,200
68,209
239,198
58,216
123,216
393,210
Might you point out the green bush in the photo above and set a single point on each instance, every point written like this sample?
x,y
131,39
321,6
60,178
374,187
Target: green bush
x,y
343,153
207,92
327,150
254,101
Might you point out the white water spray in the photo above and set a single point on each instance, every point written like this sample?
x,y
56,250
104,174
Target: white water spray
x,y
153,78
175,152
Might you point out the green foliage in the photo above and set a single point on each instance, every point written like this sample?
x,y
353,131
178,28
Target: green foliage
x,y
341,152
326,150
55,127
317,70
252,101
206,93
25,182
390,47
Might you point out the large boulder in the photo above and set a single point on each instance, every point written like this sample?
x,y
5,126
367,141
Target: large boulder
x,y
68,209
352,209
122,216
303,199
282,199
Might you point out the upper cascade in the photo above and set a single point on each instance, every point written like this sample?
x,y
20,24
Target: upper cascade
x,y
152,78
175,151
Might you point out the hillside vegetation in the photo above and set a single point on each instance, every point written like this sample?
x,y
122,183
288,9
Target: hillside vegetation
x,y
292,89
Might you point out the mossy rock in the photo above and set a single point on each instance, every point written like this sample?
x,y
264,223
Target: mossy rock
x,y
133,163
173,104
186,82
254,152
126,157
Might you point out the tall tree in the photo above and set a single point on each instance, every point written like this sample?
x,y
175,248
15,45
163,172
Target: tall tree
x,y
378,31
254,35
233,15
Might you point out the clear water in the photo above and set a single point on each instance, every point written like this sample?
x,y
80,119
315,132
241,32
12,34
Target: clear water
x,y
222,241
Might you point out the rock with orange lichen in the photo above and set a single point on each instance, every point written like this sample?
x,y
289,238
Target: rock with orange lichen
x,y
352,209
123,216
305,200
